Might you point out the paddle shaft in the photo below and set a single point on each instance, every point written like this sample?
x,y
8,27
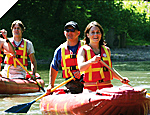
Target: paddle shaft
x,y
53,89
29,74
113,71
24,108
27,70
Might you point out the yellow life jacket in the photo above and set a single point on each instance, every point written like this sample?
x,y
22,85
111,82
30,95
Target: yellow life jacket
x,y
97,71
21,54
69,60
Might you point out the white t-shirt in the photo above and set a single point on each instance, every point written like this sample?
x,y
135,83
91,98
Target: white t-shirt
x,y
30,48
17,72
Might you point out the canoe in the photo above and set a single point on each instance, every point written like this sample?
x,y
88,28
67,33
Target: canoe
x,y
20,86
121,100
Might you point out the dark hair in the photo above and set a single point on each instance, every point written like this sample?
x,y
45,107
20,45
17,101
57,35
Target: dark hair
x,y
20,24
87,29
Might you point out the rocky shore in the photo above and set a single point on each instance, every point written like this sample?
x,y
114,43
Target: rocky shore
x,y
131,53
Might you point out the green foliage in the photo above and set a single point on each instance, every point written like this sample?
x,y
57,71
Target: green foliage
x,y
45,20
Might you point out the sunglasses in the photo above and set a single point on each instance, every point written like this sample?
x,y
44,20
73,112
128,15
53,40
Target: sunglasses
x,y
70,30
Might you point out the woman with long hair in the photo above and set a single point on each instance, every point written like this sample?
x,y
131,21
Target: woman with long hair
x,y
96,75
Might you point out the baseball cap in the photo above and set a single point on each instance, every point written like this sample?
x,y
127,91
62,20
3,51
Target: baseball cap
x,y
73,24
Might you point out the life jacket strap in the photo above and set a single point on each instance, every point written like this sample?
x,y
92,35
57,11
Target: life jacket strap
x,y
73,67
8,70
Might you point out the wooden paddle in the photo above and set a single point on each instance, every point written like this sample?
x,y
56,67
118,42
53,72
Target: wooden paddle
x,y
113,71
29,74
23,108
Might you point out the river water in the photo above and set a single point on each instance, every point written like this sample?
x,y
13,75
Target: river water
x,y
137,77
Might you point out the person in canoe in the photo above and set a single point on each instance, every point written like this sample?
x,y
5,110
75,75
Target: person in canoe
x,y
66,56
5,45
23,48
96,75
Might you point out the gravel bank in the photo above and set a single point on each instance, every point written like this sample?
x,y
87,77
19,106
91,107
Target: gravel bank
x,y
131,53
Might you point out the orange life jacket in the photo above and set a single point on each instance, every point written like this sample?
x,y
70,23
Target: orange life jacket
x,y
21,54
69,60
97,71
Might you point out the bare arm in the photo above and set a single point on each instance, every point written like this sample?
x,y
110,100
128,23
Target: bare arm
x,y
81,60
1,44
33,63
52,76
84,65
9,47
6,45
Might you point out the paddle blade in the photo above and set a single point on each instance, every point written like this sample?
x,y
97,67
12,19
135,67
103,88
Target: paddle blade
x,y
22,108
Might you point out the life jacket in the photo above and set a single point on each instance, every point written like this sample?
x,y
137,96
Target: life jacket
x,y
21,54
69,60
97,71
1,56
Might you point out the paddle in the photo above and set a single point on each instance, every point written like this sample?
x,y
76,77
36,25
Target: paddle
x,y
27,70
116,73
23,108
29,74
113,71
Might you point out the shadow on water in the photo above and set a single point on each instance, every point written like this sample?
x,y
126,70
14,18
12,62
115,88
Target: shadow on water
x,y
137,72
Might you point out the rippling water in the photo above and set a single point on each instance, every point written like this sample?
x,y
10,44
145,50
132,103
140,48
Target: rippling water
x,y
137,78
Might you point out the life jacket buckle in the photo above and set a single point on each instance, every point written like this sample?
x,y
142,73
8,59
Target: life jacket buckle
x,y
73,56
18,56
100,81
72,67
105,69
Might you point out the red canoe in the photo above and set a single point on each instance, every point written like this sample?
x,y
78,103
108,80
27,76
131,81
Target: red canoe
x,y
19,86
108,101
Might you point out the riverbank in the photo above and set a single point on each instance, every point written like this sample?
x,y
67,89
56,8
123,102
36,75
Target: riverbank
x,y
131,53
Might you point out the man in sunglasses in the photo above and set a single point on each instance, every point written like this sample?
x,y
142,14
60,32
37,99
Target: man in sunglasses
x,y
66,56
